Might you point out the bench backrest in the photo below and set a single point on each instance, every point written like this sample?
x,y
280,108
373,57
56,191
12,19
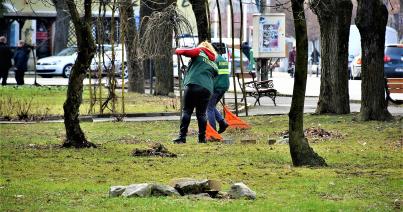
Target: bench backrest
x,y
394,85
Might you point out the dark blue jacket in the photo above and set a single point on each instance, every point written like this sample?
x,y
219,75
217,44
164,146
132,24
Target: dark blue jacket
x,y
5,57
21,57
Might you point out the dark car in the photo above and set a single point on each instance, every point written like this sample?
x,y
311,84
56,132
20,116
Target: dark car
x,y
394,61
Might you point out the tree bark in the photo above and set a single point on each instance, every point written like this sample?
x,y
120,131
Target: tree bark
x,y
86,49
200,11
371,21
136,73
334,96
301,153
62,25
164,83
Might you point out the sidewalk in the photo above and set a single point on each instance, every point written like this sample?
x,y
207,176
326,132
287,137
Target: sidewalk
x,y
284,84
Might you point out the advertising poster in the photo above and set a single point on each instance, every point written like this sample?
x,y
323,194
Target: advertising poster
x,y
269,32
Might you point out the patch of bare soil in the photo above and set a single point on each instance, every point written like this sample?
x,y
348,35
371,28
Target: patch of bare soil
x,y
156,149
396,145
315,133
42,146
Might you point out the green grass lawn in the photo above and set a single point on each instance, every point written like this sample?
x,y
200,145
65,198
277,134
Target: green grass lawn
x,y
364,172
48,100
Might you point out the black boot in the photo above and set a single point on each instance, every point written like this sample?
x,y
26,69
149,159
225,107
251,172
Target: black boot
x,y
179,140
202,123
223,126
202,139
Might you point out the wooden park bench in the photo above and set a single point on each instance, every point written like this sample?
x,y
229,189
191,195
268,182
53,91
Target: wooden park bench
x,y
256,88
393,85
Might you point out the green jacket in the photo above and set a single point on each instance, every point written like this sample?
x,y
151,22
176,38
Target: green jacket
x,y
221,82
202,69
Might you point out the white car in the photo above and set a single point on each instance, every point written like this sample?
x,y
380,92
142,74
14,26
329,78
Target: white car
x,y
61,63
106,62
356,68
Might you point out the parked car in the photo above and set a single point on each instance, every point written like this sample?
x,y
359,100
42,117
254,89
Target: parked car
x,y
393,62
237,60
61,63
106,62
350,60
356,68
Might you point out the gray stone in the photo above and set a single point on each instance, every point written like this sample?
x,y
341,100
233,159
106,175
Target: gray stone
x,y
240,190
138,190
201,196
116,191
163,190
283,141
192,186
228,141
222,195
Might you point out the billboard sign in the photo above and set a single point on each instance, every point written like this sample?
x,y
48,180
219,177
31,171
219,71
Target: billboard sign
x,y
269,35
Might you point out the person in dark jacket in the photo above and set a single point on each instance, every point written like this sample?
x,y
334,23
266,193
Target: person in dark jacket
x,y
199,86
5,60
21,57
221,85
315,56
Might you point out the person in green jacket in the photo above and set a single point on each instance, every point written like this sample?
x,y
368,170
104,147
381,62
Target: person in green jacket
x,y
199,86
221,85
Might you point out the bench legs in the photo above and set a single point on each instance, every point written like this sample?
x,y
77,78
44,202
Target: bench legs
x,y
272,96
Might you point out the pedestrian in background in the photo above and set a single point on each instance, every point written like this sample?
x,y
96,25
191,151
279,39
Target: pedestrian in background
x,y
5,60
315,56
221,85
21,57
246,49
291,61
199,86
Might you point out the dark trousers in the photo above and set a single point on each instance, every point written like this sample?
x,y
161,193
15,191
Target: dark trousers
x,y
212,113
19,76
197,97
3,76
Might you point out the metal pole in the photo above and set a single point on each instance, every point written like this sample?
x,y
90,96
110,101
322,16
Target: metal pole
x,y
233,56
241,60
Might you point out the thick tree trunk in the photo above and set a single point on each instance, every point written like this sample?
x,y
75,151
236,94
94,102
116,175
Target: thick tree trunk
x,y
371,21
301,153
136,74
334,97
61,25
164,83
200,10
163,66
86,49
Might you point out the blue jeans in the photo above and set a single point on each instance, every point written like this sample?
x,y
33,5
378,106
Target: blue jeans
x,y
212,113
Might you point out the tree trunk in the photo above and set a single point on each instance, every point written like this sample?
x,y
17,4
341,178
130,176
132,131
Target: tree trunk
x,y
400,23
62,25
301,153
164,83
200,11
136,74
86,49
371,21
334,96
